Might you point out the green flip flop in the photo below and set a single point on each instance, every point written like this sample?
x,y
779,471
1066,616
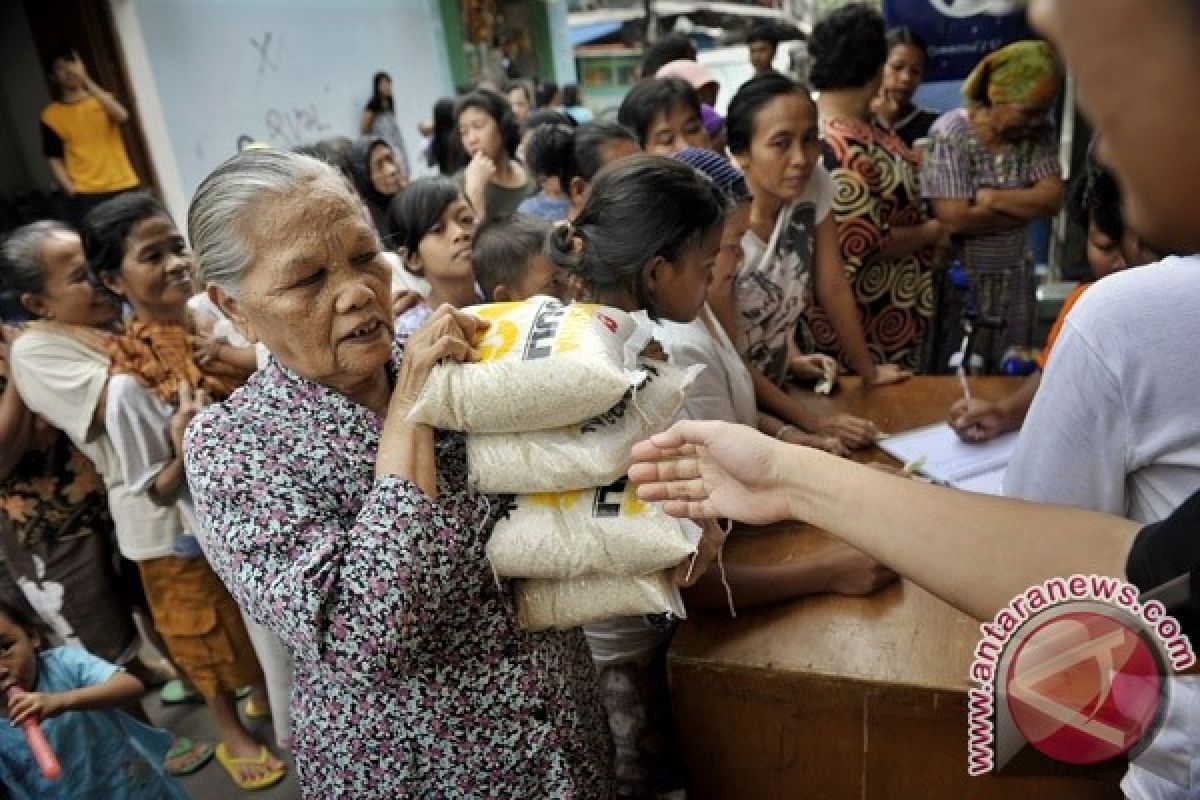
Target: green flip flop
x,y
175,693
181,746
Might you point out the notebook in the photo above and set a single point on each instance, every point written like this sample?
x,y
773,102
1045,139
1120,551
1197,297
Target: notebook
x,y
974,467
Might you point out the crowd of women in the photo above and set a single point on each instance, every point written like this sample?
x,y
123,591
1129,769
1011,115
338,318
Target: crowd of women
x,y
210,435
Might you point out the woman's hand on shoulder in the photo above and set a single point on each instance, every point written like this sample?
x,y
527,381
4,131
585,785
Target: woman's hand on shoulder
x,y
448,335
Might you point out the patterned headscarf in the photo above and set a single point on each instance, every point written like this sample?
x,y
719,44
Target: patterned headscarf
x,y
1025,72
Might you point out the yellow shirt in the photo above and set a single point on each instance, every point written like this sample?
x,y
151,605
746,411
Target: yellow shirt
x,y
91,146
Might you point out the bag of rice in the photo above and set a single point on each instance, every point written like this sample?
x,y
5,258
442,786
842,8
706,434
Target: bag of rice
x,y
604,531
593,453
580,601
542,365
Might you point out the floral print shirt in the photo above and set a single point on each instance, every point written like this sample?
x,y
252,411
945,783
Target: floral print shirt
x,y
412,678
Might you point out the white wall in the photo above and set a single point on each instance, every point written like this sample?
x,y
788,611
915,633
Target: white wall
x,y
286,72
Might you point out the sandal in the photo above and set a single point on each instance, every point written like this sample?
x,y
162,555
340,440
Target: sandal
x,y
233,766
176,693
252,711
182,746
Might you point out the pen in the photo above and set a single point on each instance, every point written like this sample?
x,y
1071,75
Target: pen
x,y
962,381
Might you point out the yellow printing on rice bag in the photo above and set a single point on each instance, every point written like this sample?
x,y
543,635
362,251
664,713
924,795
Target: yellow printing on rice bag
x,y
543,365
604,531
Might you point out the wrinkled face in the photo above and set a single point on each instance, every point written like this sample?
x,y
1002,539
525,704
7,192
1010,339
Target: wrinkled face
x,y
679,289
18,656
1153,150
784,149
1015,122
480,133
444,252
519,100
68,294
903,72
317,291
156,271
385,175
675,129
761,55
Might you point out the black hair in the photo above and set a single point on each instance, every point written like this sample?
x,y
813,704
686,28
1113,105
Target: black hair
x,y
763,32
417,208
654,96
106,228
672,47
848,48
502,248
445,149
523,86
334,151
570,95
27,622
545,93
377,98
639,208
546,116
902,34
567,152
1095,197
496,106
749,100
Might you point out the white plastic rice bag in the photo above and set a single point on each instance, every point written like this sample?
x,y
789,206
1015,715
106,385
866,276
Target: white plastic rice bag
x,y
595,452
542,365
580,601
604,531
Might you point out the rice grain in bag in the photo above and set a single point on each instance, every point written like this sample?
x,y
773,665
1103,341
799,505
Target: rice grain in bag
x,y
604,531
542,365
581,601
595,452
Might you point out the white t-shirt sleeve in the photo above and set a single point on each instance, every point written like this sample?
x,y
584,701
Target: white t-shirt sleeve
x,y
1074,446
138,425
59,379
820,192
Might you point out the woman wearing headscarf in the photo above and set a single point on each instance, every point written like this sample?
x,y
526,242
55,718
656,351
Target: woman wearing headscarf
x,y
376,179
992,169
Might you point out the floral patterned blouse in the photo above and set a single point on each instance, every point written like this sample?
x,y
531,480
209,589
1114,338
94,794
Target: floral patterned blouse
x,y
412,678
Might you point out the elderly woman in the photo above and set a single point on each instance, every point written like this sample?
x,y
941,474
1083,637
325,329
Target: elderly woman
x,y
351,532
992,169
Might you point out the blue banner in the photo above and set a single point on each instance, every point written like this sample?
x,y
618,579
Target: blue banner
x,y
959,32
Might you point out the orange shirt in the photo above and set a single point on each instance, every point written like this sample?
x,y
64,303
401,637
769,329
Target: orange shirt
x,y
92,149
1051,337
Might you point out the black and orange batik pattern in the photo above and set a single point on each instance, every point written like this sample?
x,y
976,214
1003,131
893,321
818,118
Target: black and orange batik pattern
x,y
875,190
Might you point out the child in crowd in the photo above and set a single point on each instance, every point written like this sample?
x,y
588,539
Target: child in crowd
x,y
646,241
540,151
434,225
75,697
665,115
575,155
1095,204
509,263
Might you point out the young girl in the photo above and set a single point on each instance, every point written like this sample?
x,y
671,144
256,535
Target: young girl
x,y
665,115
574,155
434,226
156,386
494,181
75,697
791,252
379,119
646,240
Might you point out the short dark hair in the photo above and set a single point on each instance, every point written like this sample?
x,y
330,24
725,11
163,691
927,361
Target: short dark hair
x,y
1095,198
417,208
545,93
445,149
20,617
570,94
749,100
651,97
672,47
334,151
639,208
566,152
848,48
763,32
902,34
502,249
106,228
496,106
546,116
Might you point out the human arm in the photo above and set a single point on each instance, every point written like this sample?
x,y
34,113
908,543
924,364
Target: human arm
x,y
836,298
904,240
54,149
1043,199
477,175
118,691
852,431
368,119
59,169
115,111
961,217
16,420
981,420
210,348
919,530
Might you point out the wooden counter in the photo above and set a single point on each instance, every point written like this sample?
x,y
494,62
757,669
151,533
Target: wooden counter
x,y
841,697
